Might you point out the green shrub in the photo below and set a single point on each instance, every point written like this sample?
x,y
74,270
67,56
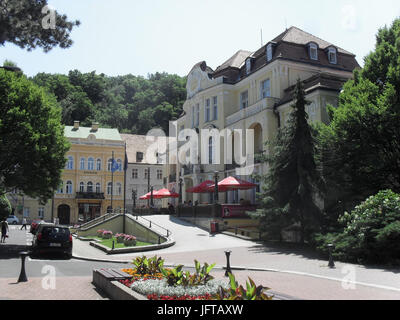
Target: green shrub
x,y
371,232
5,207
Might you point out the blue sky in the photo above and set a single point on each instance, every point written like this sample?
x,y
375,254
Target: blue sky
x,y
140,37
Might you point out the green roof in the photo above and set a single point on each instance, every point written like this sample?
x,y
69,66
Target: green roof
x,y
100,134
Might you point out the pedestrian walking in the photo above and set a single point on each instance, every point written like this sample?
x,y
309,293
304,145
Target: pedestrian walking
x,y
23,224
4,230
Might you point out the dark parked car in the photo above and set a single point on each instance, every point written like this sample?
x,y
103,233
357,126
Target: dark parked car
x,y
50,238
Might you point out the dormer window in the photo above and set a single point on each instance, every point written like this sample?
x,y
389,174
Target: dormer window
x,y
332,55
313,51
269,52
248,66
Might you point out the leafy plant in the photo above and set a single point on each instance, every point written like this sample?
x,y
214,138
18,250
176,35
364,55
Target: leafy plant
x,y
236,292
149,266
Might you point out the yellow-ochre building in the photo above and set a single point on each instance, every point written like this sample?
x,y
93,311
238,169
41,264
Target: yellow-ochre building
x,y
254,91
89,186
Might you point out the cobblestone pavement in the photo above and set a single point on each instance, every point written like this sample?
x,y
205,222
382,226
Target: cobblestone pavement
x,y
70,288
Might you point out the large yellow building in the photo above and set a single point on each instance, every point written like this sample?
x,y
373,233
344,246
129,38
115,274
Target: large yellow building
x,y
89,187
253,91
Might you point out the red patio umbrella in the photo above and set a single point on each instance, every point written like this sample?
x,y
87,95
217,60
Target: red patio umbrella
x,y
164,193
232,183
147,196
202,187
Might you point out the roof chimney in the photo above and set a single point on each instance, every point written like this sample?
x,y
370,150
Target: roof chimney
x,y
95,126
76,125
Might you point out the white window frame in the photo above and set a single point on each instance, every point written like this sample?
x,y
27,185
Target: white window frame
x,y
242,100
89,187
334,52
98,164
81,187
26,212
41,212
90,164
269,52
265,91
98,187
215,108
207,111
70,163
248,66
313,47
69,187
82,163
159,174
109,188
197,109
135,174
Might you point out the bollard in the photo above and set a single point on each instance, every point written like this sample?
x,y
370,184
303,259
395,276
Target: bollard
x,y
22,275
113,245
159,240
228,266
331,262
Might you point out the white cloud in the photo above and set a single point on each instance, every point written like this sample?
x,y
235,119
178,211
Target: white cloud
x,y
349,18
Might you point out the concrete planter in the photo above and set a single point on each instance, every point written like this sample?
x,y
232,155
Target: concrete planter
x,y
114,289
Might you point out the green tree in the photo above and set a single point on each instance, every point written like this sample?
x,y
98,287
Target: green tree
x,y
5,207
362,141
294,180
21,24
32,142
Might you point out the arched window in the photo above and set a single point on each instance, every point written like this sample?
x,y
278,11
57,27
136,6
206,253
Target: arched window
x,y
91,164
98,164
332,55
313,51
119,189
90,186
69,187
82,164
98,188
70,163
109,188
81,187
109,164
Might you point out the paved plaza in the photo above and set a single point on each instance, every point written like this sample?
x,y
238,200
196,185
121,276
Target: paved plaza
x,y
290,273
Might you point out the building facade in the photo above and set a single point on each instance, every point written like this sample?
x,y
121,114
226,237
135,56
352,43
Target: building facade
x,y
142,173
29,208
253,91
90,186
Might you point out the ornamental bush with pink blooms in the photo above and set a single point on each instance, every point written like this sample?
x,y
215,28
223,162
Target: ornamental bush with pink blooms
x,y
129,241
120,237
107,234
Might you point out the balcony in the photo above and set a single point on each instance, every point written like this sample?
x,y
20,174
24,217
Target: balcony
x,y
90,195
261,105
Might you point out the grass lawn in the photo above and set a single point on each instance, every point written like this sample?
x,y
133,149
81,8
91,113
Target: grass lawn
x,y
108,243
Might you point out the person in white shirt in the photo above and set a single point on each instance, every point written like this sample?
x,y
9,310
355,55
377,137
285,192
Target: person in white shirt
x,y
23,224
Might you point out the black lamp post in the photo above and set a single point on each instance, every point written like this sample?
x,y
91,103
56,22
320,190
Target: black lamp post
x,y
180,190
216,187
228,265
151,197
331,262
134,194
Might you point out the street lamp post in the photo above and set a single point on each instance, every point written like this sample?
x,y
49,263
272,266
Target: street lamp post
x,y
134,194
216,187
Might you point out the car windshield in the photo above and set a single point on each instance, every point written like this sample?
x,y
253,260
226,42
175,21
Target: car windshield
x,y
46,231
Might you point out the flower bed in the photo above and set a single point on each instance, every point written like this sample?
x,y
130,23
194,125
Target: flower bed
x,y
152,280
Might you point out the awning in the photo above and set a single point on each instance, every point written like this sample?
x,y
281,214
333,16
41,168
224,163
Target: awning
x,y
232,183
164,194
202,187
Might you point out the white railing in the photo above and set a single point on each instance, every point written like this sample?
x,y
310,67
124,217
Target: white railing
x,y
259,106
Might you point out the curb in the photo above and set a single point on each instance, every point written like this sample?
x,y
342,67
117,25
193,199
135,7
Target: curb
x,y
242,268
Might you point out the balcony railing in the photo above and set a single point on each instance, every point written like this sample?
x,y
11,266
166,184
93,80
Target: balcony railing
x,y
252,110
90,195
